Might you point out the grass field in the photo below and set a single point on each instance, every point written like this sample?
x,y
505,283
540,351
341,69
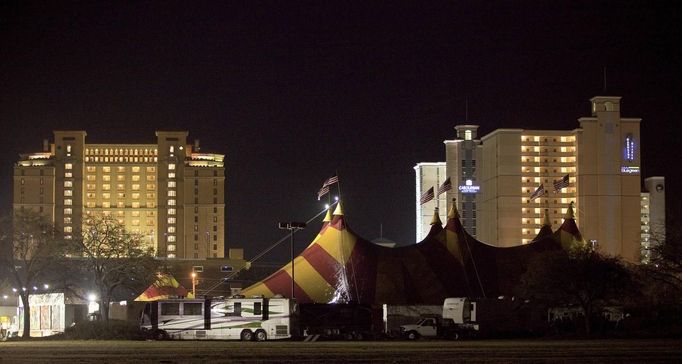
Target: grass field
x,y
503,351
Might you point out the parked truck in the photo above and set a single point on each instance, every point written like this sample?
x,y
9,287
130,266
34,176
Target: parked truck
x,y
395,316
463,317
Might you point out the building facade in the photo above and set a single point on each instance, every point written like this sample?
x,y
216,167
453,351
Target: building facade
x,y
169,192
653,216
601,162
429,175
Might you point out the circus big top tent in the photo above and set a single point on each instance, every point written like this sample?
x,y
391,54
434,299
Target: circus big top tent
x,y
340,266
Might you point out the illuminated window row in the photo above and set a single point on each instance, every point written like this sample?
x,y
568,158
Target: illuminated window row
x,y
121,151
121,159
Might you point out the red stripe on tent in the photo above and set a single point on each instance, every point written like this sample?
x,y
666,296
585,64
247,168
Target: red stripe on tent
x,y
280,283
570,227
323,263
362,272
443,264
338,223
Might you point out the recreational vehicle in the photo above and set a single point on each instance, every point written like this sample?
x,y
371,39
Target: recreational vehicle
x,y
243,319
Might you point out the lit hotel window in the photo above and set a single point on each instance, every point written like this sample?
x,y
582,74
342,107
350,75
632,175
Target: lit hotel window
x,y
171,238
171,174
136,205
106,169
68,184
67,211
68,193
171,202
171,229
171,166
171,220
106,187
171,184
171,247
68,166
68,202
90,169
106,205
171,211
68,174
151,169
136,187
171,193
120,169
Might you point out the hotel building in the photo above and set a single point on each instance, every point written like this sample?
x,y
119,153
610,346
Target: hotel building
x,y
169,192
602,160
429,175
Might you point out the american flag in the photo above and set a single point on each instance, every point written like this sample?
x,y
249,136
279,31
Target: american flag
x,y
446,186
559,184
330,181
323,191
538,192
426,196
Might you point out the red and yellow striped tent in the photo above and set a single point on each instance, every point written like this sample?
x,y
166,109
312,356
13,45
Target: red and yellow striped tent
x,y
165,286
340,266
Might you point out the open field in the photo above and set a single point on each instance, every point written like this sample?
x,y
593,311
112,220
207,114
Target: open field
x,y
498,351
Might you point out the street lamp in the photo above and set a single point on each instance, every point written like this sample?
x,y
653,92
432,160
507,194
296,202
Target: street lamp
x,y
292,226
194,284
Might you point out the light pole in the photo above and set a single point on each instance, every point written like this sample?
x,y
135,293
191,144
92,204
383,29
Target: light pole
x,y
194,284
292,226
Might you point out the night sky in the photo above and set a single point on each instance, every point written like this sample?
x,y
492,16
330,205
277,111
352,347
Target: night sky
x,y
293,91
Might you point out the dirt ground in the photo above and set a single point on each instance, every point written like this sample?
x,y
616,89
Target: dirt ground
x,y
503,351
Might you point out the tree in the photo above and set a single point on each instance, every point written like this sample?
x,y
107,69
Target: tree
x,y
580,276
30,246
665,266
115,258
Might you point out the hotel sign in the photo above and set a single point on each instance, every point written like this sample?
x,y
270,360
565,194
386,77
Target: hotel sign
x,y
629,170
469,187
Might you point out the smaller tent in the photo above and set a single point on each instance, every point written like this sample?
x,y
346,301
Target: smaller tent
x,y
165,286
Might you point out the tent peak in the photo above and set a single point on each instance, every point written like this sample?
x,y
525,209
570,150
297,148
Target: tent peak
x,y
570,214
547,221
436,218
328,216
453,214
338,211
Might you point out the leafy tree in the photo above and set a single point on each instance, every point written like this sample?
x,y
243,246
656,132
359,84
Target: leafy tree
x,y
115,258
29,247
580,276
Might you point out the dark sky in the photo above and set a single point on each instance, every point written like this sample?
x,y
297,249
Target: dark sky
x,y
293,91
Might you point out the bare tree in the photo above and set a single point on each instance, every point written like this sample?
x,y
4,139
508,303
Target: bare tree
x,y
115,258
665,265
30,246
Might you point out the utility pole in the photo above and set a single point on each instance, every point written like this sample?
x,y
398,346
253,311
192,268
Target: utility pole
x,y
292,227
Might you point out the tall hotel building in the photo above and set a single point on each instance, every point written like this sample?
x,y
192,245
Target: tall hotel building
x,y
169,192
602,161
429,175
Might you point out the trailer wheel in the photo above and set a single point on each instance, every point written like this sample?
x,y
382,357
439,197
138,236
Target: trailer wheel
x,y
455,336
3,335
160,335
359,336
412,335
261,335
246,335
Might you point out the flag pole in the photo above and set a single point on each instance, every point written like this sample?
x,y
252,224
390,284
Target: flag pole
x,y
338,183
